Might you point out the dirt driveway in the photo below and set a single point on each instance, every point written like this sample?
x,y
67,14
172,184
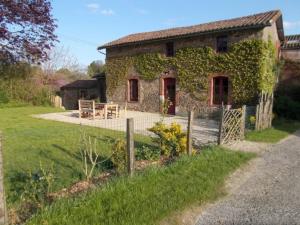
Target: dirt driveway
x,y
267,193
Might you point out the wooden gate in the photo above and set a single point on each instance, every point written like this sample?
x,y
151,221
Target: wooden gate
x,y
232,125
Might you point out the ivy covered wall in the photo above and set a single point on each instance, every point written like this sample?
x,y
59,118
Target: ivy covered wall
x,y
250,65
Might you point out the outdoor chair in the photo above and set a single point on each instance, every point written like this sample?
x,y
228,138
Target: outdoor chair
x,y
113,111
86,108
100,111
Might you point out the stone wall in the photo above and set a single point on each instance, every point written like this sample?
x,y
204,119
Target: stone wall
x,y
289,82
148,94
291,54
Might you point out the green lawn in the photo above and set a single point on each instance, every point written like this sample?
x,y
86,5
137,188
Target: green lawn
x,y
281,129
151,195
28,140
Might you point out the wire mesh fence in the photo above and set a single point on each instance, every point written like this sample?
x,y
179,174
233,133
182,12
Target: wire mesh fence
x,y
104,136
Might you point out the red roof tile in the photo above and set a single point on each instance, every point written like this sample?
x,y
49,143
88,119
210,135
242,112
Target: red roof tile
x,y
291,42
256,20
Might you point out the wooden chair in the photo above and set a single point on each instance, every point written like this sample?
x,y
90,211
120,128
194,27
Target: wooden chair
x,y
122,111
100,110
113,111
86,108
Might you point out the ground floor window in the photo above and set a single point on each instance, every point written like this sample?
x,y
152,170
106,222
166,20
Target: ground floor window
x,y
133,90
220,90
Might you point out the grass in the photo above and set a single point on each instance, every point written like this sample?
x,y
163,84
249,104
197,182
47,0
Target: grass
x,y
29,141
281,129
151,195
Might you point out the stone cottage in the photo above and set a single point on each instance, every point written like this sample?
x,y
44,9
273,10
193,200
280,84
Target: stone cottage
x,y
205,65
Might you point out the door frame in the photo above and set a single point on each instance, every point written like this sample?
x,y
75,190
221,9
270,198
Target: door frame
x,y
164,80
211,89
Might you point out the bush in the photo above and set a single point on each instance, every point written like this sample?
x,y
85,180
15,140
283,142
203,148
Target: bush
x,y
3,97
147,153
41,97
32,190
171,139
119,156
24,90
287,108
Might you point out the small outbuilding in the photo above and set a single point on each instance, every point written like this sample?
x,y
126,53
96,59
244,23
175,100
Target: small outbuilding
x,y
83,89
290,50
289,80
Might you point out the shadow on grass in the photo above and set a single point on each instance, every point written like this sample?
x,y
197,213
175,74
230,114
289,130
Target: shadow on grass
x,y
103,162
65,151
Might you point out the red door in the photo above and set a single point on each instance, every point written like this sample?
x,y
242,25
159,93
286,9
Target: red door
x,y
220,90
170,93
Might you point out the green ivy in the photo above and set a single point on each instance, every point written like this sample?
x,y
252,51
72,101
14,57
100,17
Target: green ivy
x,y
150,65
118,69
250,65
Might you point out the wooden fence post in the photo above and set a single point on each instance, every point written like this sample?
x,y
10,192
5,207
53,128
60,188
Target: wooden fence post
x,y
189,133
271,110
130,146
221,126
257,117
243,122
3,213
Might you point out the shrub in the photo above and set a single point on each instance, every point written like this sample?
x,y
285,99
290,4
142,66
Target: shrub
x,y
171,139
3,97
147,153
119,156
252,120
89,154
41,97
32,190
287,108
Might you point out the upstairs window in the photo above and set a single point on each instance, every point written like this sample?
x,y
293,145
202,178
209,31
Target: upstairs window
x,y
133,90
170,49
222,44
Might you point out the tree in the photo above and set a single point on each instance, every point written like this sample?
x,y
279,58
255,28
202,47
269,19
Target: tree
x,y
60,58
26,30
96,67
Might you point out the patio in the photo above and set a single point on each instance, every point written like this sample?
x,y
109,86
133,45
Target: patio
x,y
204,131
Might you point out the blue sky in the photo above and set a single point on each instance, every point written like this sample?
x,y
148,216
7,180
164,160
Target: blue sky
x,y
85,24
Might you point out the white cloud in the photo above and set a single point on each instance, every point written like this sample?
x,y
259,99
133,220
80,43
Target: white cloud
x,y
107,12
291,25
93,7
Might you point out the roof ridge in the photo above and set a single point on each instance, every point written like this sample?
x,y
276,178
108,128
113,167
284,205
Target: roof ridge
x,y
257,19
205,23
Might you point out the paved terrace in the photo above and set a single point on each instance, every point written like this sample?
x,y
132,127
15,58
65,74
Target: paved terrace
x,y
204,131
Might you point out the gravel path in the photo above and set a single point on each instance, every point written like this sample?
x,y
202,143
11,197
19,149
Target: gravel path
x,y
268,193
